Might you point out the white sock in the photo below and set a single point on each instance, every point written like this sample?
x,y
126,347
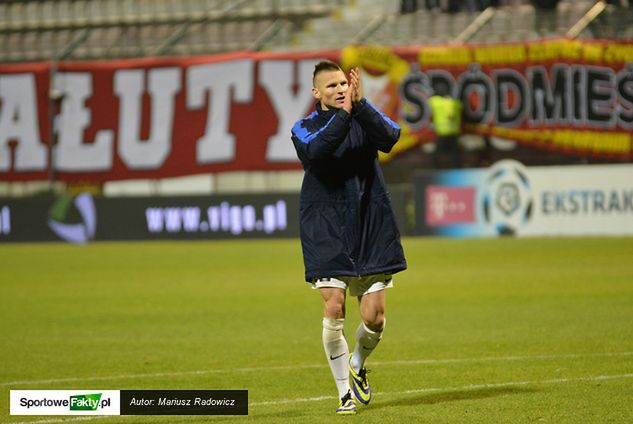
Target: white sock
x,y
336,352
366,342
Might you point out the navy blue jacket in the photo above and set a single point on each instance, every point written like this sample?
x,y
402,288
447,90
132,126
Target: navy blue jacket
x,y
347,222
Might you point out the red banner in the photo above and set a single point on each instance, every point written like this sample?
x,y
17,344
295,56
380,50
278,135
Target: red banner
x,y
167,117
153,118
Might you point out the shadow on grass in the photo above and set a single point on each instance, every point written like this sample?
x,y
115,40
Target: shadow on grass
x,y
452,396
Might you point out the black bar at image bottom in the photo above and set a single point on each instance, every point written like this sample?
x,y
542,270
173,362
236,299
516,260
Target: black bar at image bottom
x,y
184,402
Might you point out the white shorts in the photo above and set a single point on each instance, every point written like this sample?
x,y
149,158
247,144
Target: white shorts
x,y
358,286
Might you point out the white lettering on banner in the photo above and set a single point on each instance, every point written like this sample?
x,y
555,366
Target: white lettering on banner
x,y
510,85
225,217
277,78
164,84
551,99
19,122
219,81
587,202
71,152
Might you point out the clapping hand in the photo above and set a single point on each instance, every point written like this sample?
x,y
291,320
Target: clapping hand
x,y
352,96
355,85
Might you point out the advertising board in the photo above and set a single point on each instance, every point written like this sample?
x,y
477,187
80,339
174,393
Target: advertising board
x,y
511,199
83,218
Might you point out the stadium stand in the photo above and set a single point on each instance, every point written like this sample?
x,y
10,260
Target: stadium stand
x,y
96,29
32,30
371,22
525,22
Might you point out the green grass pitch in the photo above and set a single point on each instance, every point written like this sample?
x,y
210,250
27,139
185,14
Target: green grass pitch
x,y
478,331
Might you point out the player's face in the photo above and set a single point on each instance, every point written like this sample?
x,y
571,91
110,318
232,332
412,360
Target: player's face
x,y
330,88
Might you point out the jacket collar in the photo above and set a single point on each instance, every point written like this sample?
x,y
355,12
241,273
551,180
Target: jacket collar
x,y
324,113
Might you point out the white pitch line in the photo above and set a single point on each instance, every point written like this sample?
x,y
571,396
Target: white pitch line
x,y
505,358
403,392
452,389
306,366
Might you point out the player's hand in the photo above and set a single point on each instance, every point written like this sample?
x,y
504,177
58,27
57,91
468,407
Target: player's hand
x,y
355,82
349,96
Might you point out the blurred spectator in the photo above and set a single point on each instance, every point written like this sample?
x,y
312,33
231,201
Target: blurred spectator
x,y
546,17
454,6
432,4
408,6
473,6
545,4
446,113
613,22
470,6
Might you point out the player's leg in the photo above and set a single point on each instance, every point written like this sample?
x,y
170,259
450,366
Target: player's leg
x,y
335,345
368,335
369,332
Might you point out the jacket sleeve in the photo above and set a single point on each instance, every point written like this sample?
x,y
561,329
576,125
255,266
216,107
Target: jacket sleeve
x,y
319,143
380,130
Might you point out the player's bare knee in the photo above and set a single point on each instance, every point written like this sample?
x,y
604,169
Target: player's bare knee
x,y
334,310
376,322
